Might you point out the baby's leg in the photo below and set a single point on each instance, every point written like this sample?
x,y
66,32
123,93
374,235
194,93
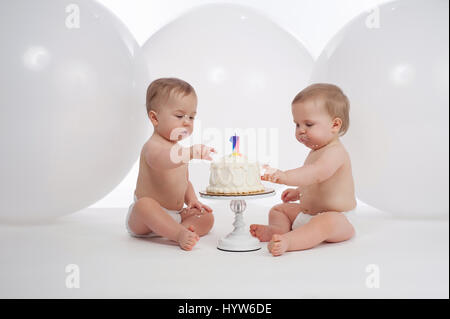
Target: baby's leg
x,y
281,217
330,227
202,222
148,216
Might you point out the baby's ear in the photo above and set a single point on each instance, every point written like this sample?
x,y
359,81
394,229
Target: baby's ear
x,y
152,117
337,124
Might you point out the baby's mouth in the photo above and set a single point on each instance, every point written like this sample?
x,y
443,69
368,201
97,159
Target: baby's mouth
x,y
307,142
303,139
179,133
183,134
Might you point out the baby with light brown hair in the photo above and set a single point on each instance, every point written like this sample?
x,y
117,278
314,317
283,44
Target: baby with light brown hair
x,y
323,185
163,187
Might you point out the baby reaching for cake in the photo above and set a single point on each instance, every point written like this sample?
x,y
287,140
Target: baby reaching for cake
x,y
324,184
163,185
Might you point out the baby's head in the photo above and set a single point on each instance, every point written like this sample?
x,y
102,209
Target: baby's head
x,y
321,114
172,106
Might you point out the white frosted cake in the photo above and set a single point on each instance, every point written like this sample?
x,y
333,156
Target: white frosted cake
x,y
234,174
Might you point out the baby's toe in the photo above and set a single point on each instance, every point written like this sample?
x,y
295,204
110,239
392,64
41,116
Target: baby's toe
x,y
185,246
276,250
194,239
189,245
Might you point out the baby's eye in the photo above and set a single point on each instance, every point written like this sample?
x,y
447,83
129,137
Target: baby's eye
x,y
296,125
179,116
192,117
309,124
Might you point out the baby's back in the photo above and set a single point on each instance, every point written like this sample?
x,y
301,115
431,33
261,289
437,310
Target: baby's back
x,y
336,193
166,186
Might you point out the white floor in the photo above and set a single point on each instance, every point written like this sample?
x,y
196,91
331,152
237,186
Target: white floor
x,y
412,257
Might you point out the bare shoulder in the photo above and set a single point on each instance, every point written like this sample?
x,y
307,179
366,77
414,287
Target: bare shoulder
x,y
150,149
332,155
336,151
339,148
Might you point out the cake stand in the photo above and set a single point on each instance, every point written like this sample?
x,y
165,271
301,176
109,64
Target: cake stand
x,y
240,238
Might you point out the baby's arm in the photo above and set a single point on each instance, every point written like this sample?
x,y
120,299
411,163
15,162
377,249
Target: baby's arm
x,y
163,157
190,198
322,169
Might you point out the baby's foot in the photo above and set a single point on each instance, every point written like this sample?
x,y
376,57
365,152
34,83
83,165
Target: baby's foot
x,y
278,245
187,238
262,232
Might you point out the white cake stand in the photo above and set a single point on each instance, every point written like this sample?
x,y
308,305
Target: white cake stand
x,y
240,238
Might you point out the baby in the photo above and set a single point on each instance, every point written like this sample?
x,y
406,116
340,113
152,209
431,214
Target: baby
x,y
163,185
324,184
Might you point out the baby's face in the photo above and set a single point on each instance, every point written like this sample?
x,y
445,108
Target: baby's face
x,y
314,127
176,117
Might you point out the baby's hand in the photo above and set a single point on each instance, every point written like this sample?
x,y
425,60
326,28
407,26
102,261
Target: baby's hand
x,y
200,206
273,175
200,151
290,195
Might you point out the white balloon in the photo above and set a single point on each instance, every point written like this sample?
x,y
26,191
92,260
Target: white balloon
x,y
245,69
72,114
393,64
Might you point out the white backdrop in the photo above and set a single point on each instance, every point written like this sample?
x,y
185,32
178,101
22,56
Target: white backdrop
x,y
312,22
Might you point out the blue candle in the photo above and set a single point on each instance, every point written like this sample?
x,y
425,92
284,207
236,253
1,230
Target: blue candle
x,y
235,142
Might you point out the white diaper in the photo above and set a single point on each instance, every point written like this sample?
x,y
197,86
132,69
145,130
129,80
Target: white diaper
x,y
303,218
173,213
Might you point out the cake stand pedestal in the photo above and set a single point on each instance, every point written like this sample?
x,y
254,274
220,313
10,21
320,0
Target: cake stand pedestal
x,y
240,238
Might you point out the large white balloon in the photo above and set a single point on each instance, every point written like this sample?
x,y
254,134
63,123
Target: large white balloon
x,y
72,106
393,63
245,69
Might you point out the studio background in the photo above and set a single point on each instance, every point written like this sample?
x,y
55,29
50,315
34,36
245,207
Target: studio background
x,y
313,23
83,150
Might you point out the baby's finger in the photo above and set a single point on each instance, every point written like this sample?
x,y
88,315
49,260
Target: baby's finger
x,y
266,167
205,154
193,206
208,209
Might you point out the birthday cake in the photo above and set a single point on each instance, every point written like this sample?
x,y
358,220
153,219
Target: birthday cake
x,y
234,174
